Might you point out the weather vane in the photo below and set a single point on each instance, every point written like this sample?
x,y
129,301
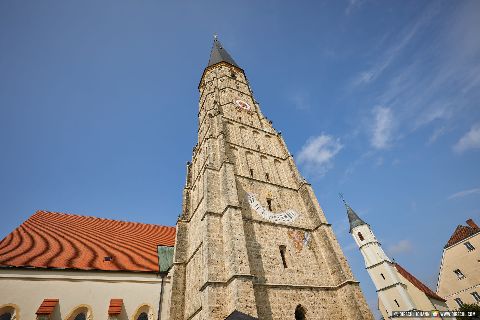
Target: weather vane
x,y
341,197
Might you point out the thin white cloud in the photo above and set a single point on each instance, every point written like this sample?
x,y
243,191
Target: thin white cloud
x,y
352,5
436,78
464,193
402,246
300,99
394,51
318,152
437,133
350,247
470,140
382,127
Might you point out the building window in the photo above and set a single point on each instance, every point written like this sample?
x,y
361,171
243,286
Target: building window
x,y
81,316
142,316
469,246
459,302
300,313
6,316
282,254
360,236
476,296
459,273
396,302
269,204
251,173
267,177
382,276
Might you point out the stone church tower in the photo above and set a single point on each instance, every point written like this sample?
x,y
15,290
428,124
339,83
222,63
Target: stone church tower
x,y
252,241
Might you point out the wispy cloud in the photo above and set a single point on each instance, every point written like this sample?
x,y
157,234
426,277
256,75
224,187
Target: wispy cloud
x,y
464,193
470,140
341,226
318,152
431,80
437,133
392,52
402,246
382,127
300,99
350,247
352,5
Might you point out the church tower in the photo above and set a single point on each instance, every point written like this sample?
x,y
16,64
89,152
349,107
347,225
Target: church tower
x,y
252,241
392,291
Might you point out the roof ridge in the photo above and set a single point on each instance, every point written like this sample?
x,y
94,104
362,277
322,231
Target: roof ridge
x,y
97,218
461,233
417,283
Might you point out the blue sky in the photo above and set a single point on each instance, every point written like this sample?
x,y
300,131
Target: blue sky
x,y
378,100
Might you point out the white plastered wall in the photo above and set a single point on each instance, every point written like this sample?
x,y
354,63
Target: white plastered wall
x,y
27,288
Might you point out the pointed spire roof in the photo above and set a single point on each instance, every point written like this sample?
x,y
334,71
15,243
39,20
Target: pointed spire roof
x,y
219,54
353,217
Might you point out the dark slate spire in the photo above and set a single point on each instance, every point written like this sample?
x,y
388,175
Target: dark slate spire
x,y
353,218
219,54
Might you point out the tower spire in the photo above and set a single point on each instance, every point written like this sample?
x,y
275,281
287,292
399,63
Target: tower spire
x,y
219,54
353,218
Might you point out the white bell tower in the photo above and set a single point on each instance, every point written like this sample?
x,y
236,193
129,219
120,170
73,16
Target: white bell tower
x,y
392,293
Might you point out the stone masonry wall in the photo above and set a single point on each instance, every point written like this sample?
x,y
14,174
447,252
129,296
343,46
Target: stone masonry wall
x,y
230,257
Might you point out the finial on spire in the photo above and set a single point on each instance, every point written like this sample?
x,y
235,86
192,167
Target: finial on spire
x,y
353,218
219,54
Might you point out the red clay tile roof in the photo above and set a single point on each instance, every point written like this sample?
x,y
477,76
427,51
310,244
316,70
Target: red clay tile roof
x,y
417,283
461,233
68,241
47,306
115,307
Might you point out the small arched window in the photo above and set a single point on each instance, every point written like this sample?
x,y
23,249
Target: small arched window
x,y
81,312
360,236
8,312
282,255
300,313
81,316
142,316
143,313
269,204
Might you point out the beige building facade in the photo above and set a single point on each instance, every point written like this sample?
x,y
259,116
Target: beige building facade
x,y
459,276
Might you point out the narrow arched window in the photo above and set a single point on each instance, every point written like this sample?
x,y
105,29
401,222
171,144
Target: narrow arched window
x,y
360,236
300,313
142,316
81,316
282,254
269,204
